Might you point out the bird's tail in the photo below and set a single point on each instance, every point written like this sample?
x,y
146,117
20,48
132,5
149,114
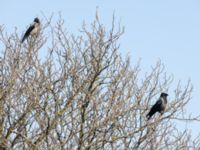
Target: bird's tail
x,y
23,39
149,115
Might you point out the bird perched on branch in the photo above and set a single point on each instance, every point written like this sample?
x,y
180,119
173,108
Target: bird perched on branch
x,y
159,106
32,30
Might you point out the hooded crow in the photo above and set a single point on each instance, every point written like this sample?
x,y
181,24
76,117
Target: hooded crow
x,y
159,106
32,30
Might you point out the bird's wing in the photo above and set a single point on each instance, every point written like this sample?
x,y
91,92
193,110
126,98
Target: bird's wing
x,y
28,31
155,108
152,111
158,103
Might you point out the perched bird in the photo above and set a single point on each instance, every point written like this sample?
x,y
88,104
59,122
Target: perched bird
x,y
159,106
32,30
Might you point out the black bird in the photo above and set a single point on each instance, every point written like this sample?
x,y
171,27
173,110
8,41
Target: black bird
x,y
159,106
32,30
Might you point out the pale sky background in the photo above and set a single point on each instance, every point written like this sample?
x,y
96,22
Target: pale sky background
x,y
167,30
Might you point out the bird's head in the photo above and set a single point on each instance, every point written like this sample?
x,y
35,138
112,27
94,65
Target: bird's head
x,y
163,95
36,20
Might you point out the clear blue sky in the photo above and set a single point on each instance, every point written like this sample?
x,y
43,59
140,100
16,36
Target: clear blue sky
x,y
168,30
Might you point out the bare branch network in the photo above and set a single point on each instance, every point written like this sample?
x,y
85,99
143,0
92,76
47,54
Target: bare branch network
x,y
60,91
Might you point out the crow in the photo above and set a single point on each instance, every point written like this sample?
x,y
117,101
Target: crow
x,y
159,106
32,30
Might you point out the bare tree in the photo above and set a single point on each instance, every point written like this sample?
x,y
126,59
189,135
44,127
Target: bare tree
x,y
61,91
